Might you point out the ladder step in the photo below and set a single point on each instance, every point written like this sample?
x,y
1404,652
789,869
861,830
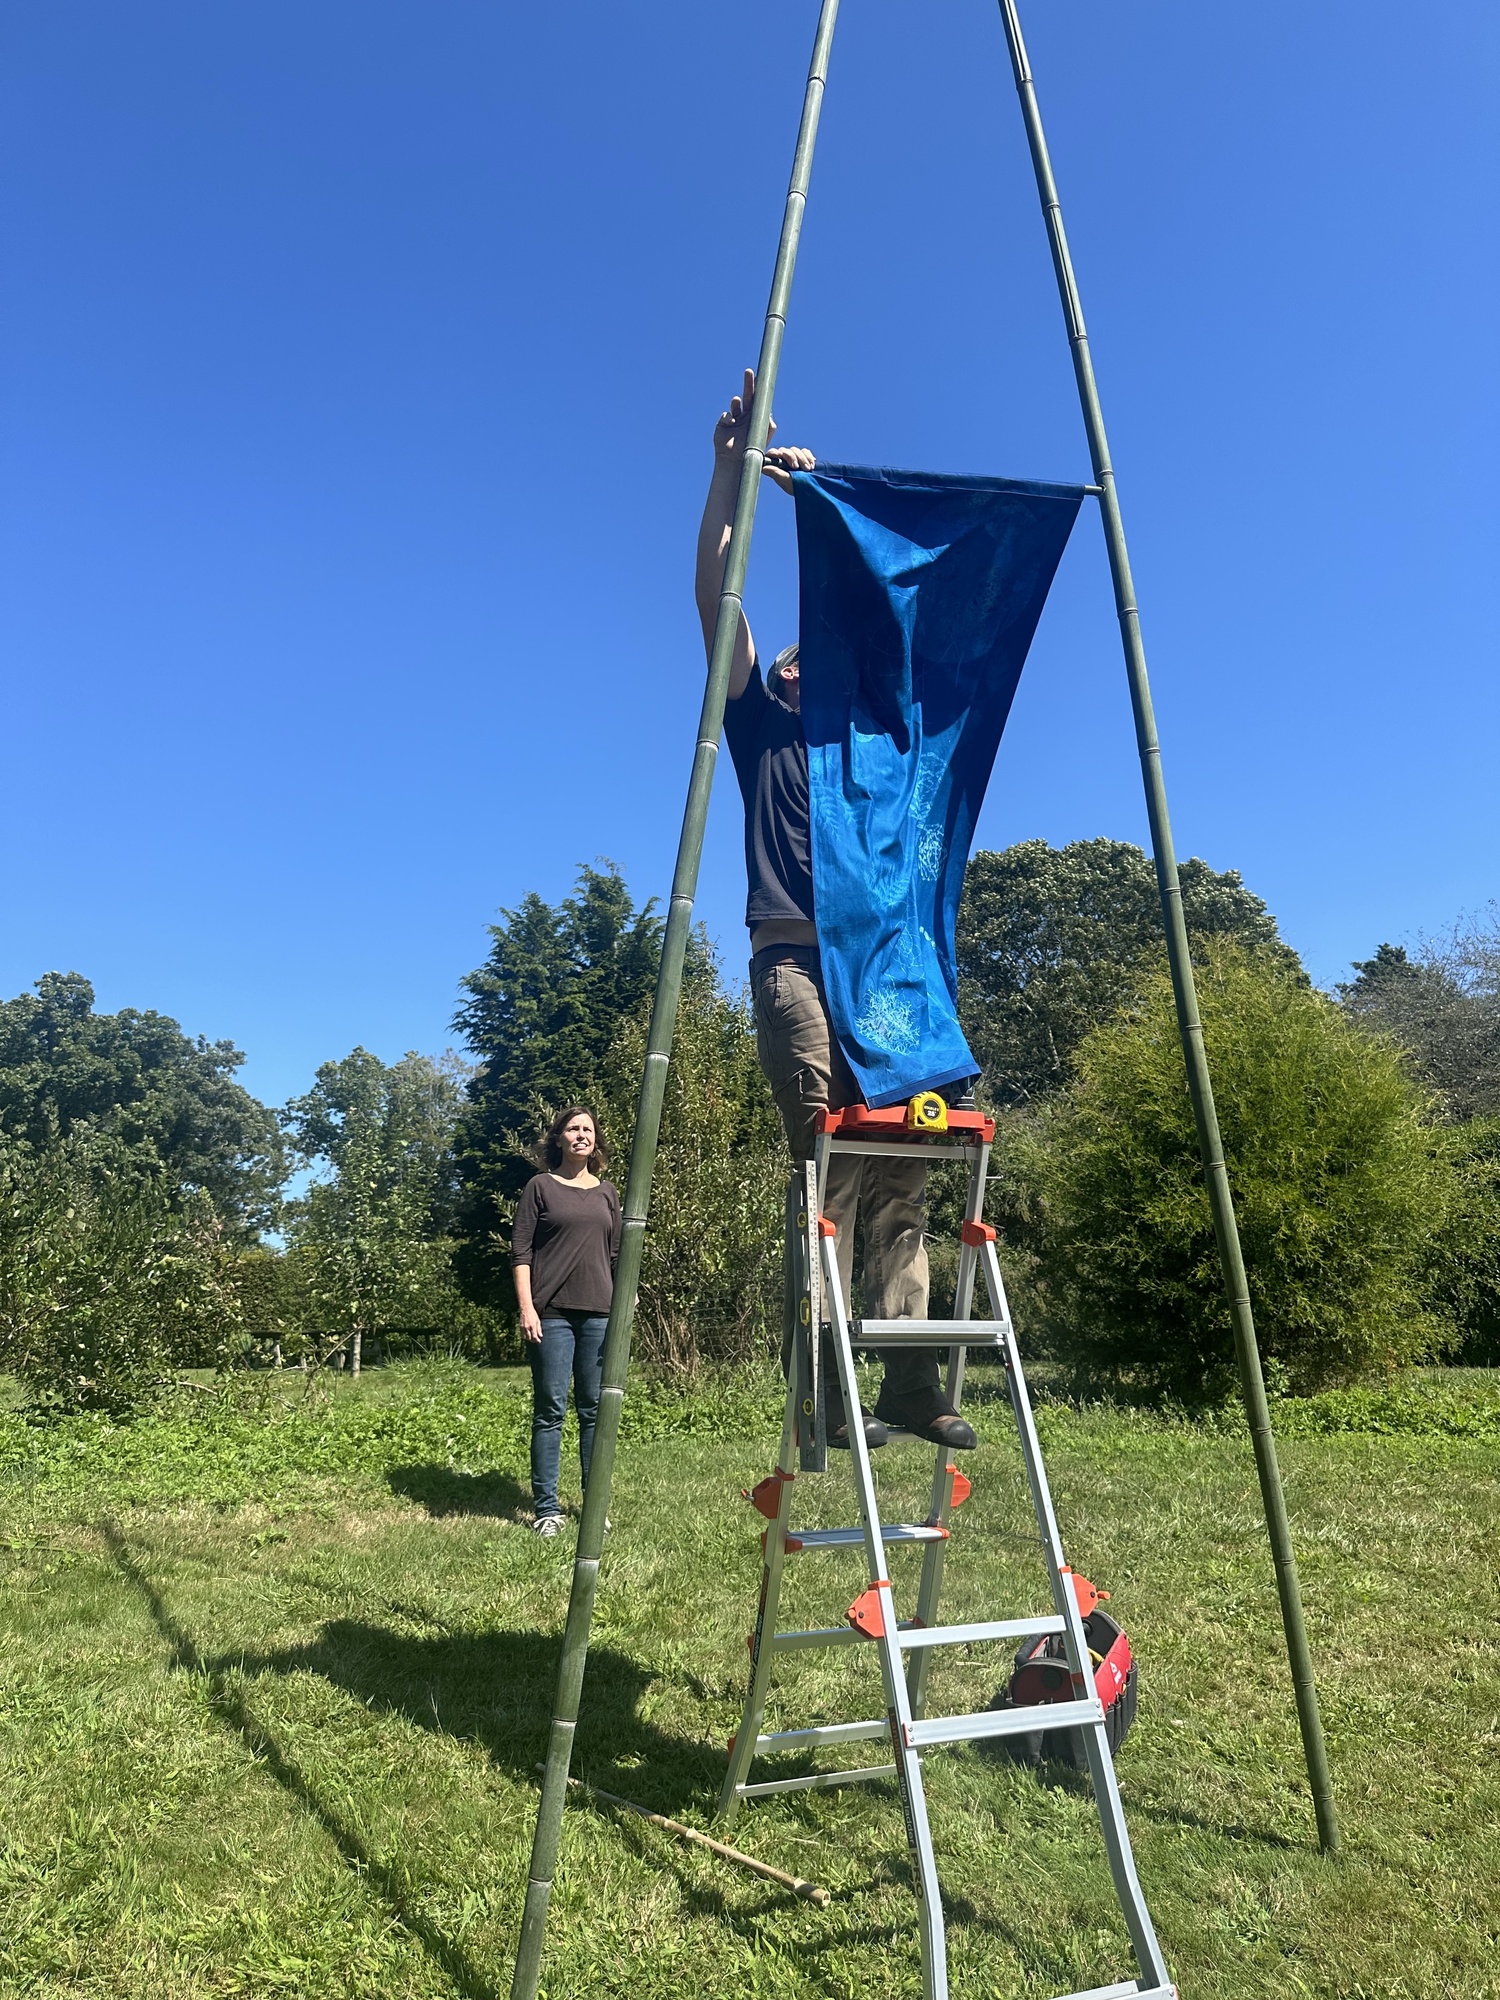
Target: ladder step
x,y
822,1781
828,1732
826,1635
912,1634
1006,1722
1124,1989
929,1332
971,1635
853,1538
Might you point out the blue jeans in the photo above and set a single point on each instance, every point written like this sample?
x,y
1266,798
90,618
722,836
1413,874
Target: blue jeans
x,y
572,1344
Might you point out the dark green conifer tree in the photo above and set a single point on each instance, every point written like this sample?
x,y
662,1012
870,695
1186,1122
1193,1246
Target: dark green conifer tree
x,y
539,1018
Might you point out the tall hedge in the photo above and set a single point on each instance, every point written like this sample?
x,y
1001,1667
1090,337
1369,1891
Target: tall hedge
x,y
711,1271
107,1286
1463,1267
1338,1179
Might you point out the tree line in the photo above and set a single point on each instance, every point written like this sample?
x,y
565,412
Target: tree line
x,y
154,1216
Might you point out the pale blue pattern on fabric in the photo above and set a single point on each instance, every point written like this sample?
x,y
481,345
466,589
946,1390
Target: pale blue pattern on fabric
x,y
920,595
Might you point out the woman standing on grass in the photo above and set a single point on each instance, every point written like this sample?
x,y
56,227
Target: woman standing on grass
x,y
563,1248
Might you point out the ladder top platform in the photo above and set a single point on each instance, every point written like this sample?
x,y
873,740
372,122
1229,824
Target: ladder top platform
x,y
858,1121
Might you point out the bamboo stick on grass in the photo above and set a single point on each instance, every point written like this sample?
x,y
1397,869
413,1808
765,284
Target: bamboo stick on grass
x,y
809,1891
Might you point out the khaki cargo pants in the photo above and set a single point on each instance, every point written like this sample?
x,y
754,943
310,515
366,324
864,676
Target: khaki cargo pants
x,y
806,1070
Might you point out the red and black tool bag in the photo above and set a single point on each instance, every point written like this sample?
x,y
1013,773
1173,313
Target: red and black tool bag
x,y
1041,1676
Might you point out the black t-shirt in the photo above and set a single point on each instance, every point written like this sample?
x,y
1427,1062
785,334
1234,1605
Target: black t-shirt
x,y
770,761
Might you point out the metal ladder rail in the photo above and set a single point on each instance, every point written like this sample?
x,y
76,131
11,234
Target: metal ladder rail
x,y
908,1770
1101,1765
934,1560
909,1736
976,1148
909,1733
742,1745
804,1304
804,1446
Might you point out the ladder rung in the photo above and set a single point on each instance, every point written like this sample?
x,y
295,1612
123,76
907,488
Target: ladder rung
x,y
827,1635
853,1538
969,1635
929,1332
822,1781
1124,1989
828,1732
1006,1722
913,1634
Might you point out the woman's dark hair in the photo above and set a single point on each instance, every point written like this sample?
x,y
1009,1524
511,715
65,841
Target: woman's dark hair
x,y
549,1146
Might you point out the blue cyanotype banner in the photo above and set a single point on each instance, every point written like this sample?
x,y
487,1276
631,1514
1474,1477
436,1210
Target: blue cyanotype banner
x,y
920,595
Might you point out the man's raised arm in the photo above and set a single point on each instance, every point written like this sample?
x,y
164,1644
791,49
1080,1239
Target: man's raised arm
x,y
730,433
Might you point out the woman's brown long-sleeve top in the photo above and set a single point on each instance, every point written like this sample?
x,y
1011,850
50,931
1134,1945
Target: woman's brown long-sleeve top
x,y
570,1236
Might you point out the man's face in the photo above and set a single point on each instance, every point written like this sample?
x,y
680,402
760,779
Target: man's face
x,y
790,688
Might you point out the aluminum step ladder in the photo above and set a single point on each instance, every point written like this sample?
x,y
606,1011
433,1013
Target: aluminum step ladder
x,y
819,1327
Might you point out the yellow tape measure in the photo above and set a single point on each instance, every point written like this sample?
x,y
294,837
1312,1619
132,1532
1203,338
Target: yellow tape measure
x,y
927,1112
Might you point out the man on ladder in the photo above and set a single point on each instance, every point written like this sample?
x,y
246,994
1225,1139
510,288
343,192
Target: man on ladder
x,y
798,1048
885,760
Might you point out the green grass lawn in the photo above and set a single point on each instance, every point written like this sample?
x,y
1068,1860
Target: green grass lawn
x,y
275,1684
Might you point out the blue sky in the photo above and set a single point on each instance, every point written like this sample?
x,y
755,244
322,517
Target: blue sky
x,y
357,365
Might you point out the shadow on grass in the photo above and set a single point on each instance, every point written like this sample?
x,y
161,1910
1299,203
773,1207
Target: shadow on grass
x,y
495,1689
227,1703
492,1688
1055,1774
443,1492
1221,1829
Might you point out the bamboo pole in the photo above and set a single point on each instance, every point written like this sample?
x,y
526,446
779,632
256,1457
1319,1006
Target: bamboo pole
x,y
1200,1087
658,1052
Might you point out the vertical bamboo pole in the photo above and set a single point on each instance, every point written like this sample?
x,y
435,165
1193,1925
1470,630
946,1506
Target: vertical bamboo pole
x,y
1200,1088
658,1051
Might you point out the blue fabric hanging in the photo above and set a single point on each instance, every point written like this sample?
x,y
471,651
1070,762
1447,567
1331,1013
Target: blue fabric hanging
x,y
920,593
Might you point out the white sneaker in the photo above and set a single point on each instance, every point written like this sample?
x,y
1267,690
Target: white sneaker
x,y
547,1525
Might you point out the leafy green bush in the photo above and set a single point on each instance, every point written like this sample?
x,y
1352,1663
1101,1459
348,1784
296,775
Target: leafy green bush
x,y
1460,1404
291,1318
711,1273
366,1242
1338,1181
274,1305
105,1287
1462,1277
1052,940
